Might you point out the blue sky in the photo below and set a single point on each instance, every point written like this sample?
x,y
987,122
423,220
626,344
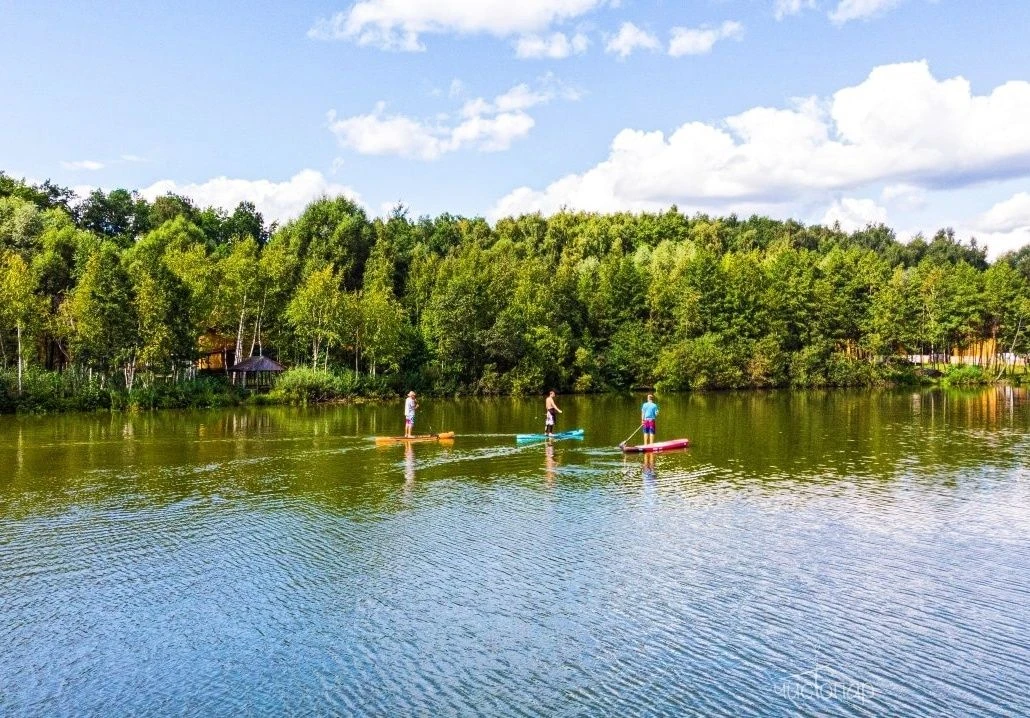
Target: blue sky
x,y
913,112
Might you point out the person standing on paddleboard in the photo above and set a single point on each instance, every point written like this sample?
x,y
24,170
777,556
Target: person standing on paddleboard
x,y
409,414
648,417
551,412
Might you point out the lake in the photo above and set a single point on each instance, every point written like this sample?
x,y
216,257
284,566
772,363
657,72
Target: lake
x,y
815,553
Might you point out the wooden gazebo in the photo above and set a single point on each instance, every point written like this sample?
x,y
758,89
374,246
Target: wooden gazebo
x,y
261,370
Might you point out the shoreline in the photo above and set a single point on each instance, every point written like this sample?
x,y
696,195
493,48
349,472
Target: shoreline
x,y
215,393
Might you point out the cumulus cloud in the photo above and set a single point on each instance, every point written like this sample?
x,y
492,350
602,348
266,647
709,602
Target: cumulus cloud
x,y
89,165
277,201
630,38
852,214
1009,215
783,8
848,10
899,126
556,46
485,125
381,134
400,24
701,40
997,243
904,196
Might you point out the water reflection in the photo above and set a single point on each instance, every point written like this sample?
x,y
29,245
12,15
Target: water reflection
x,y
271,561
550,465
648,469
324,453
409,464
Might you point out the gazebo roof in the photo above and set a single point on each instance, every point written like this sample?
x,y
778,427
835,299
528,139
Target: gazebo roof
x,y
256,364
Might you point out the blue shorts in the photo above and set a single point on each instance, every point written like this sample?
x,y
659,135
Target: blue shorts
x,y
648,426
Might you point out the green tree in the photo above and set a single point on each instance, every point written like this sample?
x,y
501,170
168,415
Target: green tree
x,y
316,312
18,303
893,322
1006,305
238,289
382,315
101,314
332,231
21,223
119,215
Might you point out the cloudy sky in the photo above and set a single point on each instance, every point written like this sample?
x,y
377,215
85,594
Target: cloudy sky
x,y
911,112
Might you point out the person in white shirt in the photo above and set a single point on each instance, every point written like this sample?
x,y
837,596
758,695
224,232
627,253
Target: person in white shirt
x,y
409,414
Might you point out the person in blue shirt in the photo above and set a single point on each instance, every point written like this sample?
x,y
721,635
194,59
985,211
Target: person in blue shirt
x,y
648,417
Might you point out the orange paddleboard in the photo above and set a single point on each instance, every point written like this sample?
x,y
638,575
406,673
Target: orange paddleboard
x,y
443,436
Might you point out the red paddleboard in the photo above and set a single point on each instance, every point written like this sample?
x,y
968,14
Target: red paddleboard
x,y
657,446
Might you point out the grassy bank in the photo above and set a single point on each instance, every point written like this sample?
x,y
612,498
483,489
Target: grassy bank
x,y
54,392
45,392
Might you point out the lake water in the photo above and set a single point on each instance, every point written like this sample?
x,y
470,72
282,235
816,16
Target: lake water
x,y
814,553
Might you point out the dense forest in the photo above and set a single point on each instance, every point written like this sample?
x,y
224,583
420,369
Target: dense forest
x,y
116,296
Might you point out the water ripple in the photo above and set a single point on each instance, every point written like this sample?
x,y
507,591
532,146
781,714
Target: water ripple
x,y
307,573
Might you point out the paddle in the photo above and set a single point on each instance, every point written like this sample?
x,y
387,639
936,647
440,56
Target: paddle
x,y
623,443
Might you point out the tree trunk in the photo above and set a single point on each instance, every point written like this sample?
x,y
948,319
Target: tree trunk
x,y
130,373
357,351
1015,338
19,359
239,332
257,325
254,336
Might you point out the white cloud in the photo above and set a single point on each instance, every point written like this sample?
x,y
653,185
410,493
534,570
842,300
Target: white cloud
x,y
399,24
852,214
848,10
899,126
556,46
784,8
485,125
90,165
520,97
133,158
1007,216
997,243
381,134
701,40
904,196
277,201
630,38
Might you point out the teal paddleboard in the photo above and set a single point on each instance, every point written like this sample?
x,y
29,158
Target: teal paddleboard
x,y
572,434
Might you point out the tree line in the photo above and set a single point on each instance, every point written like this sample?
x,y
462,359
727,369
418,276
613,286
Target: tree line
x,y
120,292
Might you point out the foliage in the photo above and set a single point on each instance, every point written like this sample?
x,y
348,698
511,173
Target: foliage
x,y
303,384
108,302
965,375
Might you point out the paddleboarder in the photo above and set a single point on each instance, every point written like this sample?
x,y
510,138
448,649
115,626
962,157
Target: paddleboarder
x,y
648,417
410,405
551,412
